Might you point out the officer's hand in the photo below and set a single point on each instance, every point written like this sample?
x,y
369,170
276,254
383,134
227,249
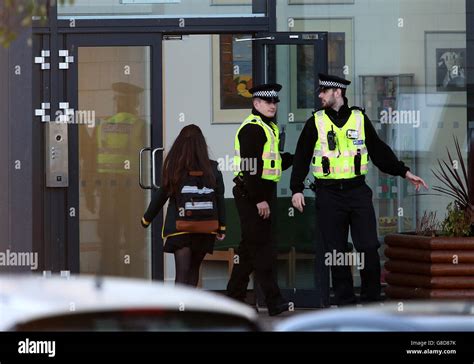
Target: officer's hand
x,y
415,180
263,209
298,201
220,237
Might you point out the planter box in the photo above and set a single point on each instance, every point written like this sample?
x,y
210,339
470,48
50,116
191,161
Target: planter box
x,y
429,267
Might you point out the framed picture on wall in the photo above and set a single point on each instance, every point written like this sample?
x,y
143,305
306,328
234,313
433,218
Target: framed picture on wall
x,y
445,68
340,61
231,78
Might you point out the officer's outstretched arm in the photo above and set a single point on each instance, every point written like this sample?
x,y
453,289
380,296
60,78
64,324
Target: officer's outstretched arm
x,y
415,180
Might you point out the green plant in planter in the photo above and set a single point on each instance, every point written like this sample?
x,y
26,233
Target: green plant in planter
x,y
460,218
428,225
457,222
438,261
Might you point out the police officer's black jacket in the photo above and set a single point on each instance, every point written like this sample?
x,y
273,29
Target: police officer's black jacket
x,y
379,152
252,139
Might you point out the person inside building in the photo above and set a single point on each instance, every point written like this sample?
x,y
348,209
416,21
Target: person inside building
x,y
337,141
187,157
110,165
259,166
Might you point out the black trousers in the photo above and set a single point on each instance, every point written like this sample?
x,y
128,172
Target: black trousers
x,y
337,209
256,252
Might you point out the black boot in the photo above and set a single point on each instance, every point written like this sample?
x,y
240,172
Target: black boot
x,y
277,308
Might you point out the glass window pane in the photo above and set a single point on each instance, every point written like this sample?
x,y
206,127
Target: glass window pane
x,y
293,66
212,94
114,84
406,60
156,8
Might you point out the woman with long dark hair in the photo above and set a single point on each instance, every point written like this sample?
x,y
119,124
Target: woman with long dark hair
x,y
188,156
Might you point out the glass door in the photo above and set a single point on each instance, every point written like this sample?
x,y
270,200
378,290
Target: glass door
x,y
114,130
294,60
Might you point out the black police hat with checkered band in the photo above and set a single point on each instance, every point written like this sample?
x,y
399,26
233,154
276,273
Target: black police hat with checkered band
x,y
330,81
267,91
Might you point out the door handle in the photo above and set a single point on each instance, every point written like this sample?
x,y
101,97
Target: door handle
x,y
140,169
153,164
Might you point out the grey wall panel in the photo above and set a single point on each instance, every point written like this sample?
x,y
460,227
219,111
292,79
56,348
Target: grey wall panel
x,y
16,154
4,147
20,119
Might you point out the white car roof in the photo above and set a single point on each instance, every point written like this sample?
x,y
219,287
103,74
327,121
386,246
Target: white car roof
x,y
429,315
28,297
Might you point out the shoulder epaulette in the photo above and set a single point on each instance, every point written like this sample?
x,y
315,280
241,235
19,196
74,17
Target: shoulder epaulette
x,y
319,112
358,108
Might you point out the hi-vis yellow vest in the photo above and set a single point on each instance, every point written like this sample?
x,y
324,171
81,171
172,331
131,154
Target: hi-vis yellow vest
x,y
271,154
116,138
341,160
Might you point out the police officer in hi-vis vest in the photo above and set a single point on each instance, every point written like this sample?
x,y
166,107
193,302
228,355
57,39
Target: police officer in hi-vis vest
x,y
337,142
112,164
259,165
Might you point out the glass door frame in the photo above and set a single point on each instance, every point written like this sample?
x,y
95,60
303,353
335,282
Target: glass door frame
x,y
262,40
73,42
317,296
